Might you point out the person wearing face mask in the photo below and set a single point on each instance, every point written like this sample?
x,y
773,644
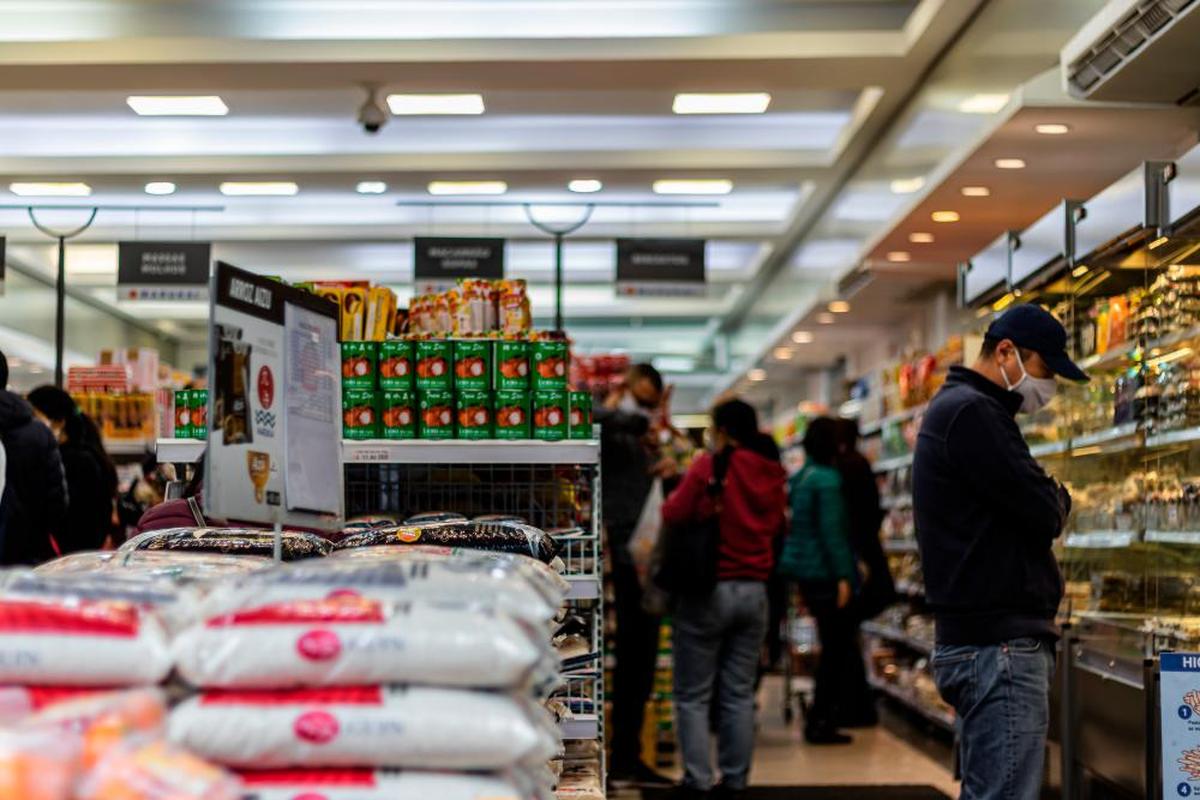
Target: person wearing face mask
x,y
986,517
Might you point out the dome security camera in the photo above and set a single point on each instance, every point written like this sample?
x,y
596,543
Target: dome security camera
x,y
372,114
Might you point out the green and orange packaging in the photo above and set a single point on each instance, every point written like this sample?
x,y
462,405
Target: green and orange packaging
x,y
512,414
474,414
198,409
183,414
550,415
473,365
436,418
435,365
359,360
549,363
398,413
511,366
396,365
360,414
580,426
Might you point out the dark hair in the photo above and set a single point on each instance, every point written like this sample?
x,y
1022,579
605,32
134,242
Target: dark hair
x,y
80,430
737,419
821,441
645,372
3,371
847,433
988,349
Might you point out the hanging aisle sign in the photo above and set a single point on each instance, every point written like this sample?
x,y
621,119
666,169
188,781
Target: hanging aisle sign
x,y
1179,705
163,270
661,267
438,263
274,445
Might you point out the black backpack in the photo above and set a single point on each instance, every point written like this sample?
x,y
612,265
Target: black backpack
x,y
688,567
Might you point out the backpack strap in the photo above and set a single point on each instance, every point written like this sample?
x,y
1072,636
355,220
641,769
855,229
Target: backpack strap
x,y
197,513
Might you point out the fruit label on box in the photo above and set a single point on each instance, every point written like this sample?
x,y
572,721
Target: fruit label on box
x,y
183,414
512,415
473,365
549,366
360,414
358,365
581,415
437,414
396,364
474,415
512,366
550,415
198,410
435,361
399,414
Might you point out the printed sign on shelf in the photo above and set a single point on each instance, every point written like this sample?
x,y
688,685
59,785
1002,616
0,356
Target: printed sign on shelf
x,y
661,267
274,404
438,263
163,270
1179,705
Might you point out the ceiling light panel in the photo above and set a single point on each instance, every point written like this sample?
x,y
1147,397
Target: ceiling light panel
x,y
920,237
783,353
50,189
899,256
1009,163
825,318
839,307
721,103
976,191
160,187
985,103
944,216
371,187
259,188
908,185
177,105
802,337
693,186
585,185
467,187
757,375
435,104
1052,128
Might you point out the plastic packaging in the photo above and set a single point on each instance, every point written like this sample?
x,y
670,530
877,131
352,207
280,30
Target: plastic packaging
x,y
230,541
504,537
377,785
38,764
156,770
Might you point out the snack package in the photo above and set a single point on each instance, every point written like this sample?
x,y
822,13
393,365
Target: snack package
x,y
354,314
187,568
171,604
38,764
103,721
230,541
156,770
515,315
415,728
366,784
503,537
381,313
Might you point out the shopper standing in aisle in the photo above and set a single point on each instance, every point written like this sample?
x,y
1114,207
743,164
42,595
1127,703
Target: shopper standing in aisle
x,y
987,516
817,555
36,503
91,475
628,463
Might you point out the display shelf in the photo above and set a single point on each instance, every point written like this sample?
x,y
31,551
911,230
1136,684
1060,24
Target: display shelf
x,y
179,451
1101,540
890,464
935,715
900,545
583,587
580,726
1170,438
1173,537
1047,449
381,451
901,501
872,428
127,447
1110,440
896,635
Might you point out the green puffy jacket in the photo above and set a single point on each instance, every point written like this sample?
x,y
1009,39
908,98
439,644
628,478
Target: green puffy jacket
x,y
818,546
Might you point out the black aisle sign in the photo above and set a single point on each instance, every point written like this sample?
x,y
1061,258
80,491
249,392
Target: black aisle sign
x,y
163,270
662,267
438,263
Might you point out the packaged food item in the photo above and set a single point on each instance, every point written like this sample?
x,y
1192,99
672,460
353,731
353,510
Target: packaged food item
x,y
359,365
367,784
501,537
156,770
230,541
515,315
381,313
511,366
437,414
232,386
396,364
435,360
103,720
549,364
512,415
38,764
426,517
439,310
183,414
581,415
399,414
550,415
198,410
354,313
474,414
360,414
473,365
331,293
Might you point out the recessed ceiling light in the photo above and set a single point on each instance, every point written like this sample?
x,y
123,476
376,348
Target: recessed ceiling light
x,y
944,216
697,186
1052,128
721,103
1159,242
1009,163
839,307
825,318
467,187
160,187
757,375
1079,271
435,104
371,187
802,337
907,185
976,191
920,237
783,353
899,256
208,105
259,188
983,103
50,189
585,185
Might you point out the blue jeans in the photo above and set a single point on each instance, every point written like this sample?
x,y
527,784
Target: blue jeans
x,y
718,641
1001,694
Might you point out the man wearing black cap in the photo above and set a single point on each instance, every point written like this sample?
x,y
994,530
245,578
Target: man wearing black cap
x,y
986,518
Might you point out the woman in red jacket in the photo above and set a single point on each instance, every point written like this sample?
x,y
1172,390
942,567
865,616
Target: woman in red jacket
x,y
719,637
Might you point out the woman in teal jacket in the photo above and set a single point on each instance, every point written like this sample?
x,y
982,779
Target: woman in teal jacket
x,y
817,555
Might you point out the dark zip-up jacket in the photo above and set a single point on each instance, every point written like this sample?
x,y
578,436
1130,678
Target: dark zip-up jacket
x,y
625,465
986,516
35,503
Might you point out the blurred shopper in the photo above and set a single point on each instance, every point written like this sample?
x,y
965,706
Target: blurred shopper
x,y
36,502
719,635
91,476
147,491
986,517
817,555
180,512
629,457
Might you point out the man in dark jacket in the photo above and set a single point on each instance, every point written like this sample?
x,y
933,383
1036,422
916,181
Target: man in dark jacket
x,y
987,516
35,502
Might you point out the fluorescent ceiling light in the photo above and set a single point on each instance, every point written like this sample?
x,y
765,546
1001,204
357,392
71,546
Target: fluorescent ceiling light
x,y
371,187
976,191
467,187
899,256
908,185
435,104
701,186
1052,128
825,318
983,103
585,185
1009,163
722,103
757,375
1079,271
920,237
178,105
944,216
50,189
674,363
839,307
160,187
1159,242
802,337
783,353
259,188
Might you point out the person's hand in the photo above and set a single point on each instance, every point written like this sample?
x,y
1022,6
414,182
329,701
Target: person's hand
x,y
843,594
666,468
613,400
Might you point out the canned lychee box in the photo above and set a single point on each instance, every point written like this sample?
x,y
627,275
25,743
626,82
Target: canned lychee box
x,y
474,415
359,360
198,409
511,366
360,414
550,415
436,419
581,415
183,414
512,414
396,365
473,365
399,414
549,366
435,365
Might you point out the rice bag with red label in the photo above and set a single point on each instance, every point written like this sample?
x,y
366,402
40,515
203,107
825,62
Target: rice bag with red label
x,y
366,784
503,537
416,728
174,606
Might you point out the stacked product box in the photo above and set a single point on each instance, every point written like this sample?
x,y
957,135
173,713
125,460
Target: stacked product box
x,y
191,414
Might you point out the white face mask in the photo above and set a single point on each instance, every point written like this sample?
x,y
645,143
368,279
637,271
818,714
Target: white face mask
x,y
1035,392
630,405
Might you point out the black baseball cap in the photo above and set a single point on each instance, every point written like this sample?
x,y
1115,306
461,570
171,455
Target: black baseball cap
x,y
1033,328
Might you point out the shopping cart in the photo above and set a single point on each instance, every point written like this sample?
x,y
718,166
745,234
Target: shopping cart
x,y
798,640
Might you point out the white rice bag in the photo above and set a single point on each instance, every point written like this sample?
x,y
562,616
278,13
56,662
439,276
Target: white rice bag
x,y
174,606
414,728
188,567
91,561
378,785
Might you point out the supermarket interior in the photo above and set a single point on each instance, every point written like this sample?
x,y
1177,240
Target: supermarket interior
x,y
569,400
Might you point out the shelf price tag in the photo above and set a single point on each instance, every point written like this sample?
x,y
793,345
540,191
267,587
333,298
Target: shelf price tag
x,y
372,455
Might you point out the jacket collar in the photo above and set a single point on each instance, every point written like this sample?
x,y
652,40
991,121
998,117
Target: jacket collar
x,y
1010,400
